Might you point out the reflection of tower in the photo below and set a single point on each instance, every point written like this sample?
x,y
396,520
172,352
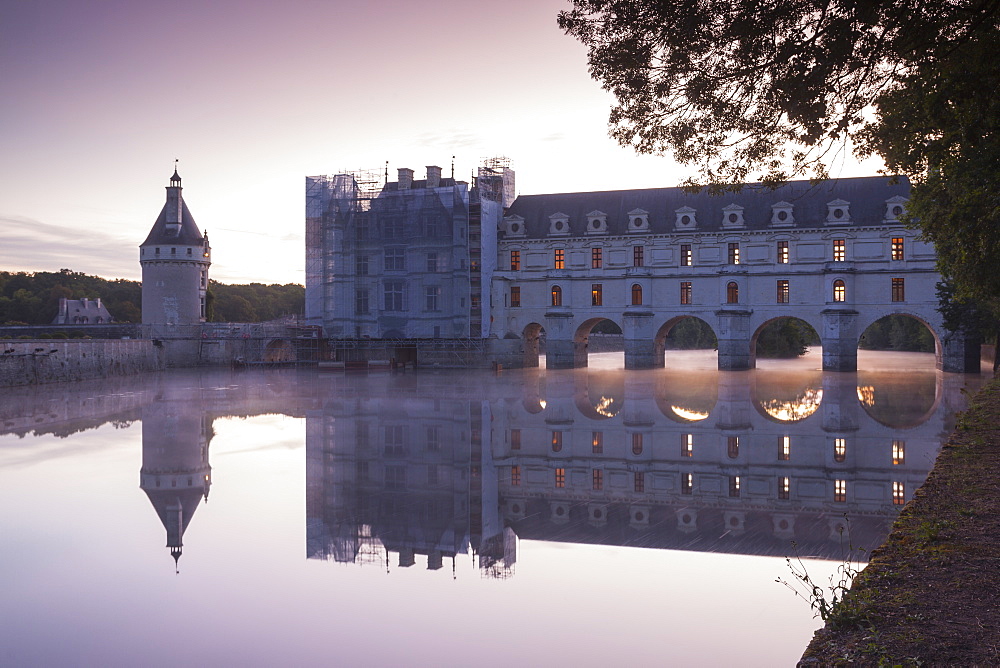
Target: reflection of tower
x,y
175,472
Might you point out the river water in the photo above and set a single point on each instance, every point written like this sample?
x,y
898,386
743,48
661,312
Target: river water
x,y
586,517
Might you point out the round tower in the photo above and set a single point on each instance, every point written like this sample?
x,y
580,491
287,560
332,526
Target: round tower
x,y
175,258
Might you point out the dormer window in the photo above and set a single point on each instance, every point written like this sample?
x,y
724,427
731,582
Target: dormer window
x,y
638,220
686,218
782,215
838,212
732,217
895,207
514,226
597,222
558,225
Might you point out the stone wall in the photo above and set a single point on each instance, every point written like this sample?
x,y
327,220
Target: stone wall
x,y
55,360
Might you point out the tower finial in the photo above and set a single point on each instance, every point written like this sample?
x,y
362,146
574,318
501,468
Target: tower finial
x,y
175,180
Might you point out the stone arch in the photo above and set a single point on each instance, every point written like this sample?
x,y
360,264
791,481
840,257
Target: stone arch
x,y
581,339
872,318
815,326
279,350
660,339
531,343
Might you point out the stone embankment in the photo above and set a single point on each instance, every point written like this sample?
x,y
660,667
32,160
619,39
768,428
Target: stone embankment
x,y
54,360
928,595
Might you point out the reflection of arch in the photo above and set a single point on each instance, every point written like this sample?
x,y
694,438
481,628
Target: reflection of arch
x,y
601,396
900,399
784,396
685,398
531,337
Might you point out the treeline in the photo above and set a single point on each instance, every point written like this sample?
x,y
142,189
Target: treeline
x,y
898,332
33,298
785,337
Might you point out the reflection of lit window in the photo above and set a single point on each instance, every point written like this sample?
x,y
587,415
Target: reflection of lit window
x,y
560,477
733,447
783,486
640,481
799,408
688,414
839,449
515,475
866,395
557,441
785,453
515,439
598,442
606,407
598,476
840,490
898,493
898,452
734,485
636,444
687,445
687,483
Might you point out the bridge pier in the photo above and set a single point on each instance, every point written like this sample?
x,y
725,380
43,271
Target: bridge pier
x,y
734,340
960,352
840,340
642,349
562,349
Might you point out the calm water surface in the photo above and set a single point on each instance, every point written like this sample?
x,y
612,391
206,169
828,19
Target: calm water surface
x,y
587,517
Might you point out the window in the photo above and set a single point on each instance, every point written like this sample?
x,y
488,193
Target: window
x,y
598,442
785,452
515,260
394,295
189,251
556,295
898,452
173,251
782,292
157,251
687,445
596,258
636,444
839,250
898,493
560,477
685,292
598,479
685,255
782,252
596,294
360,302
732,293
839,449
515,475
639,480
431,229
734,253
433,439
783,486
515,296
361,229
432,262
839,291
559,258
687,483
898,290
557,441
636,294
840,490
394,259
361,265
733,447
515,439
475,301
432,294
897,248
734,485
638,256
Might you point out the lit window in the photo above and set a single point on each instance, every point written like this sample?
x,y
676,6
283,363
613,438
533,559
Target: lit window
x,y
515,260
732,293
897,248
839,250
782,252
636,444
898,452
687,483
515,296
785,453
782,292
783,486
734,253
685,255
557,441
685,292
898,493
559,258
596,294
840,490
556,295
640,481
598,479
734,485
687,445
733,447
515,475
636,294
560,477
596,258
515,439
839,449
839,291
638,256
598,442
898,290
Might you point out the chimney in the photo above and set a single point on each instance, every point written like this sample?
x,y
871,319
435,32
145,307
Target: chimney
x,y
98,302
433,176
405,178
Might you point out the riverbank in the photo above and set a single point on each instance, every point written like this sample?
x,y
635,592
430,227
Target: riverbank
x,y
928,595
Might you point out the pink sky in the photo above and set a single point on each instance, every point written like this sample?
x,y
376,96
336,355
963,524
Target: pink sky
x,y
97,98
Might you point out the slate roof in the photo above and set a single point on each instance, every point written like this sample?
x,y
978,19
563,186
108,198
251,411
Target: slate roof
x,y
188,235
866,196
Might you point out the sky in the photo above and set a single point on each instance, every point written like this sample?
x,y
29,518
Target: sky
x,y
99,97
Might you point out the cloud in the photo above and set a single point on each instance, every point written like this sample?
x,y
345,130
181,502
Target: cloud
x,y
31,245
458,140
555,136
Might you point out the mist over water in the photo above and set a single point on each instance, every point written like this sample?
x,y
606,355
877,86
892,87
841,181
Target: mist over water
x,y
537,517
